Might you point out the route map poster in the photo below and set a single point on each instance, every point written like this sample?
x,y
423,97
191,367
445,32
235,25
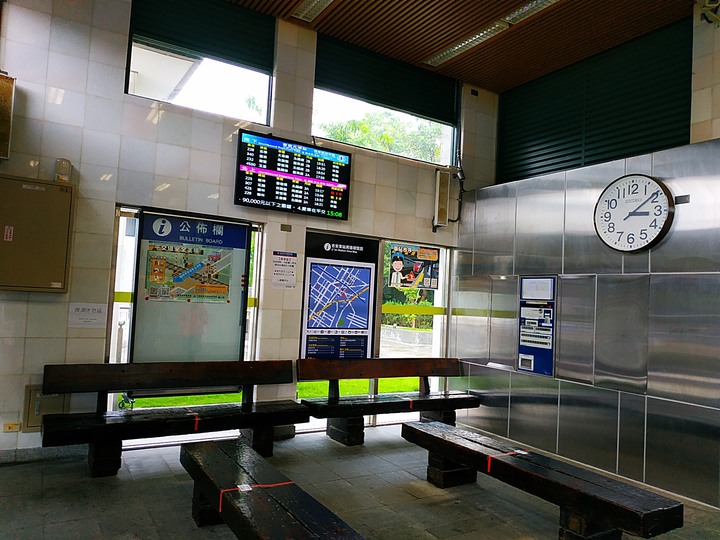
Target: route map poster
x,y
339,297
190,299
414,267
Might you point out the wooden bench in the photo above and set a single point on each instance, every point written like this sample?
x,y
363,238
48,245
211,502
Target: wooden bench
x,y
104,431
235,485
345,413
592,506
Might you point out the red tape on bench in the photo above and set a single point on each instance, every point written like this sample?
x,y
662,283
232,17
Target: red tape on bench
x,y
197,419
516,452
248,488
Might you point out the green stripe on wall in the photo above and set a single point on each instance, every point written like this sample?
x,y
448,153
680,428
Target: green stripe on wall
x,y
413,310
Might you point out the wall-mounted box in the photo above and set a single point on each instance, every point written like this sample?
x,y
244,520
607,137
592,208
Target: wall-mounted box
x,y
37,404
36,222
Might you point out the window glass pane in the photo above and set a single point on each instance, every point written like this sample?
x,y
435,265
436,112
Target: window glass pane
x,y
199,83
356,122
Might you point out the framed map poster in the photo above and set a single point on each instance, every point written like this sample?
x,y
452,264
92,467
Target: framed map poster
x,y
190,299
338,310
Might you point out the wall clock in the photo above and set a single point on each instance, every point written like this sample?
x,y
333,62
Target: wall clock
x,y
634,213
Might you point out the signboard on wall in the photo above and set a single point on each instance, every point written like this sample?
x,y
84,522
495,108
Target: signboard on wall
x,y
414,267
190,296
338,307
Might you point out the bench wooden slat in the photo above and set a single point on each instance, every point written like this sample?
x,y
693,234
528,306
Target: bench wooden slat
x,y
322,369
389,403
82,428
604,503
282,511
64,378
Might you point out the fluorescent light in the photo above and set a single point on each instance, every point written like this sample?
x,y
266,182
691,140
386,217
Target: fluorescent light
x,y
309,9
514,17
468,43
529,9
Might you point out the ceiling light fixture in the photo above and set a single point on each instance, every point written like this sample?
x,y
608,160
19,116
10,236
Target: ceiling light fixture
x,y
514,17
309,9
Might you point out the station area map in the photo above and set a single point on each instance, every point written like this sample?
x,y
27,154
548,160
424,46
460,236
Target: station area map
x,y
339,296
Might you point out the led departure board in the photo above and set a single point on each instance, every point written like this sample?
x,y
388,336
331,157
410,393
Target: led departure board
x,y
279,174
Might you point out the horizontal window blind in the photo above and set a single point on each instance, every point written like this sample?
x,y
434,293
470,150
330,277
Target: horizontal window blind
x,y
630,100
358,73
214,28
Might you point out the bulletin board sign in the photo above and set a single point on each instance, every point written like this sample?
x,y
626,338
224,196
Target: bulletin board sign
x,y
414,267
339,296
191,298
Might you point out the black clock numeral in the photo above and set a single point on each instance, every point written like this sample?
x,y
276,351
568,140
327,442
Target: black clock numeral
x,y
607,216
620,235
634,188
658,210
630,238
643,234
612,204
654,224
611,227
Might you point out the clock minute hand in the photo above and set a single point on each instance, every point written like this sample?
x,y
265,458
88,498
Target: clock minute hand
x,y
635,212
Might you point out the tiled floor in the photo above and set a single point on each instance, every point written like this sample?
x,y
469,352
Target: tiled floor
x,y
378,488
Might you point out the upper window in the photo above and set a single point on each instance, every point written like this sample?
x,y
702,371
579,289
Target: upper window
x,y
212,56
373,101
199,82
356,122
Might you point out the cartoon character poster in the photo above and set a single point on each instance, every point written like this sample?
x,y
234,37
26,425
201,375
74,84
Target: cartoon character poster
x,y
414,267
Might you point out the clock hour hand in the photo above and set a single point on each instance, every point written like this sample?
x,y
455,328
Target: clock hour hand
x,y
635,212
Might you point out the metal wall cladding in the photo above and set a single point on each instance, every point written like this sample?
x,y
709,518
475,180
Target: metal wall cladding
x,y
470,320
534,410
631,435
684,338
682,449
621,332
493,386
539,225
495,230
574,346
587,425
504,307
584,252
466,225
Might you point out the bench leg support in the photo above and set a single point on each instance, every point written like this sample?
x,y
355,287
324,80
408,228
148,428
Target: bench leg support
x,y
348,431
446,417
445,473
260,439
579,526
204,512
104,458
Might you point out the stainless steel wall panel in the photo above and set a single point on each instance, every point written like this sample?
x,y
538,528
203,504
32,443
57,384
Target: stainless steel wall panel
x,y
466,225
682,449
574,347
584,252
495,230
631,435
587,425
534,410
621,332
539,225
470,326
683,338
493,386
504,306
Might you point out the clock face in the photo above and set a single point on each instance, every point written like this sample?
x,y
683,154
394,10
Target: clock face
x,y
634,213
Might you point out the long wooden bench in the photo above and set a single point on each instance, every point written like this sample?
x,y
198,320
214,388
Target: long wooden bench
x,y
104,431
345,414
592,506
235,485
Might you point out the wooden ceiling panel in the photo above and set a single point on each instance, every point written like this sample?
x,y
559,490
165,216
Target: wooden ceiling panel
x,y
414,30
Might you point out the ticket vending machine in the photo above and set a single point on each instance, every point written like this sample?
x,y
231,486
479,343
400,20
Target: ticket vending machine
x,y
536,347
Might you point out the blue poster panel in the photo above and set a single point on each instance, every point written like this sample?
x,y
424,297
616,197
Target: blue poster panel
x,y
190,299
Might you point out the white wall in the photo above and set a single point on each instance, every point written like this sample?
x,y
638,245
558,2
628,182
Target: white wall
x,y
69,61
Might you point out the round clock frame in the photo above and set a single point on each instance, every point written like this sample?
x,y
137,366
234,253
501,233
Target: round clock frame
x,y
634,213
